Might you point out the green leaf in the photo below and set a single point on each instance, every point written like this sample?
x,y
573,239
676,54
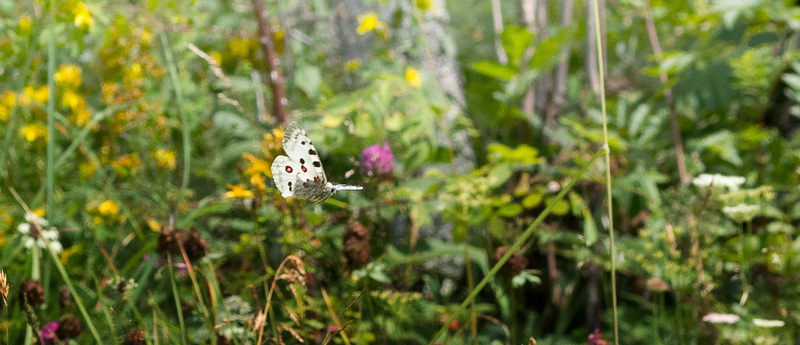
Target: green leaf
x,y
532,200
308,79
510,210
546,53
494,70
515,40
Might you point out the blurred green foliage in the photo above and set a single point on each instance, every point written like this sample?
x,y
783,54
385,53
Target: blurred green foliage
x,y
392,263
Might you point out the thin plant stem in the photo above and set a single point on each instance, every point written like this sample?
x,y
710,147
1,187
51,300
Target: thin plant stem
x,y
51,111
184,335
473,320
742,268
518,243
185,129
607,150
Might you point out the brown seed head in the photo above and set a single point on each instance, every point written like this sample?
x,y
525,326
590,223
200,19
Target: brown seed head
x,y
357,249
69,327
168,240
195,246
31,293
3,290
136,336
515,264
64,297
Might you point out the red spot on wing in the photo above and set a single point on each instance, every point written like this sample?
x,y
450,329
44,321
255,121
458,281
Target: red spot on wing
x,y
289,169
304,168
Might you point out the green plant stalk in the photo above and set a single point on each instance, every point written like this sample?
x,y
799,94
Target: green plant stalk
x,y
75,296
613,253
184,334
473,321
518,243
185,130
743,260
51,112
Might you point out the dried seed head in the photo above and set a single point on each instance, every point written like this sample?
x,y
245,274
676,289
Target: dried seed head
x,y
168,240
64,297
195,246
3,290
357,249
515,264
136,336
31,293
222,340
69,327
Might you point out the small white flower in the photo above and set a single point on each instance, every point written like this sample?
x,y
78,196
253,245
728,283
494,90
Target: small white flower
x,y
730,182
768,323
32,235
742,212
721,318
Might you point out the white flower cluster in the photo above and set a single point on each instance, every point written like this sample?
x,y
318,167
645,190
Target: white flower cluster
x,y
730,182
32,234
741,212
721,318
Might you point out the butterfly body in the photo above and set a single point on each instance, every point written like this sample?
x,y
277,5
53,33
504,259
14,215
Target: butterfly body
x,y
300,174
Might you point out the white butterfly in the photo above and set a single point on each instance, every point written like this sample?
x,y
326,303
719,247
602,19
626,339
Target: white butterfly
x,y
300,175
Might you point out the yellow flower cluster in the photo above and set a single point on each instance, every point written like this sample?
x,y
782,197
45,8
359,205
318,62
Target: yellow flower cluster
x,y
83,17
412,77
369,22
104,212
127,165
258,169
166,158
7,101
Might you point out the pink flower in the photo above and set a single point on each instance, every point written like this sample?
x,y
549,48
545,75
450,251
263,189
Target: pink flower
x,y
48,333
377,161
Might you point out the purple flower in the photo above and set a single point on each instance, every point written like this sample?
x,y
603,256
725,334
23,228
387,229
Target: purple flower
x,y
377,160
596,338
48,333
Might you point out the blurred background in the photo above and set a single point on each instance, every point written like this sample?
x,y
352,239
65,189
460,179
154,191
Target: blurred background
x,y
137,203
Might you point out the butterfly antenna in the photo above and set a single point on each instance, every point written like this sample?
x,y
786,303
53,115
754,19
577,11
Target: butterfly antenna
x,y
346,187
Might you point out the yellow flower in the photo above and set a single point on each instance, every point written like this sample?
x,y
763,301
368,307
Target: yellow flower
x,y
34,131
108,92
240,47
257,166
154,225
7,101
127,164
66,253
423,5
412,77
368,22
278,40
238,191
83,18
217,57
258,182
352,64
72,100
87,169
39,212
108,208
25,23
32,93
133,73
80,117
68,76
166,158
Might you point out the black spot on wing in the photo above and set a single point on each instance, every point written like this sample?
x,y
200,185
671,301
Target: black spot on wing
x,y
302,161
312,152
317,164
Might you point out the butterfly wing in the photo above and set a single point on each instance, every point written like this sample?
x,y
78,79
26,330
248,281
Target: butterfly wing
x,y
286,174
314,191
299,148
